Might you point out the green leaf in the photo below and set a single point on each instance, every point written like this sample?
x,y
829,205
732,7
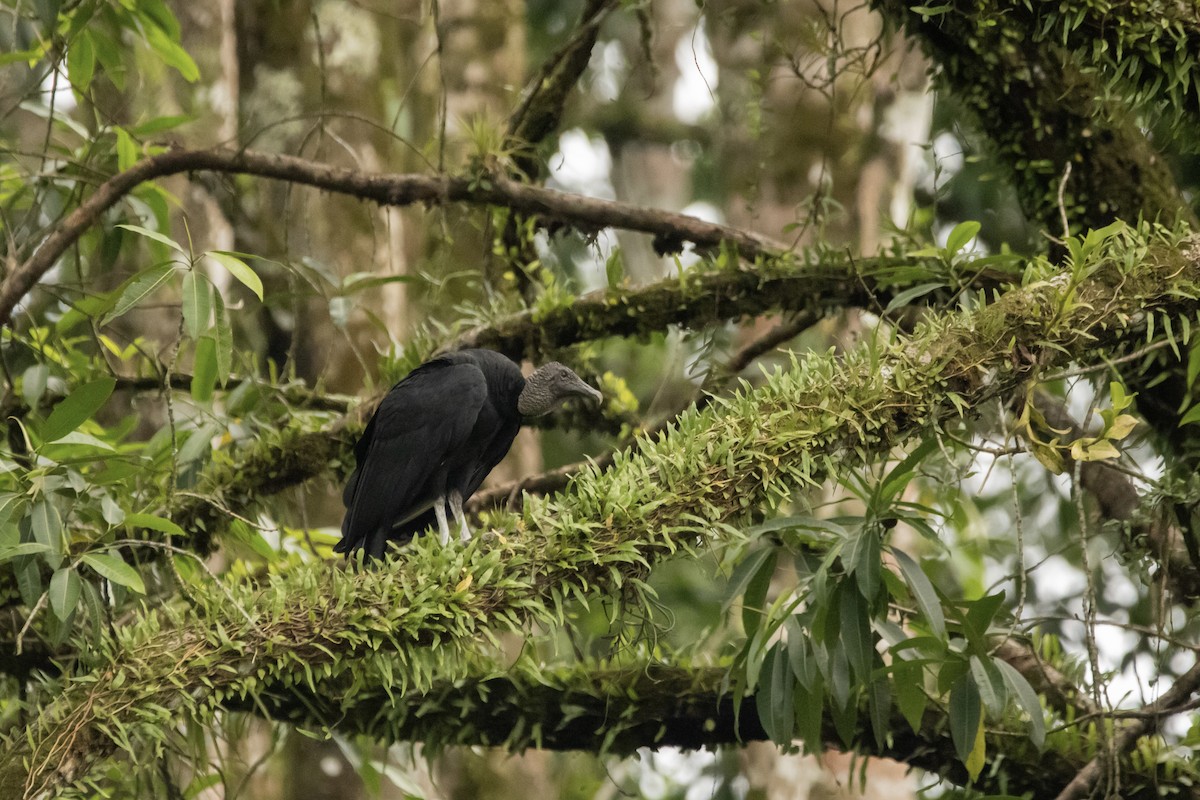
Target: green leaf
x,y
171,53
138,289
77,407
64,592
900,475
804,664
910,691
33,383
23,549
980,614
111,567
127,150
746,569
856,631
197,303
204,369
154,523
755,598
222,335
238,269
990,684
923,591
776,709
81,61
879,705
155,236
1192,416
1027,699
46,526
966,714
912,293
29,579
962,235
159,124
809,706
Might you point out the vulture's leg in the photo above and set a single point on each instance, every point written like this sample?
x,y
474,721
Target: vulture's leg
x,y
456,503
439,510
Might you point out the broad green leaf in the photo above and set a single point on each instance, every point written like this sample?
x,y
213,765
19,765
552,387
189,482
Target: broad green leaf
x,y
64,592
155,236
962,235
856,631
82,440
197,303
774,696
171,53
238,269
204,369
222,335
966,714
29,579
112,568
33,383
81,61
1027,699
905,297
809,714
755,597
879,705
77,407
23,549
743,572
900,475
990,684
46,526
138,289
159,124
804,665
127,150
94,606
910,691
923,591
154,523
1191,417
980,614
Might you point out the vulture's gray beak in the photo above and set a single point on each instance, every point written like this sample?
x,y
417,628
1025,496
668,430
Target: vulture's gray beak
x,y
593,394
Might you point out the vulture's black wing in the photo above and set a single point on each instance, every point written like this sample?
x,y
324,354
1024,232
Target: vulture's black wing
x,y
402,454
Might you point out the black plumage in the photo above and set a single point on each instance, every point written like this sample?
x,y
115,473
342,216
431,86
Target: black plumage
x,y
435,437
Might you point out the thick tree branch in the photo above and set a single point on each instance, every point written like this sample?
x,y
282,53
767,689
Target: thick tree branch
x,y
424,612
585,213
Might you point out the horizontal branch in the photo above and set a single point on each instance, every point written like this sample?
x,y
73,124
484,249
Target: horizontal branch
x,y
426,611
584,213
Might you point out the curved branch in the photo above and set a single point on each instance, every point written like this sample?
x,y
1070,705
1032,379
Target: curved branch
x,y
584,213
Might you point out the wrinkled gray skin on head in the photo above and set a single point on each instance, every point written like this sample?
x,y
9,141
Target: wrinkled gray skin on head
x,y
549,386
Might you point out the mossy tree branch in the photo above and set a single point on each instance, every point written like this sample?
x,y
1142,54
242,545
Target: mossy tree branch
x,y
420,616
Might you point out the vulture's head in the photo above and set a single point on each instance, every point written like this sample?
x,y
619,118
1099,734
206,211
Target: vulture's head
x,y
550,385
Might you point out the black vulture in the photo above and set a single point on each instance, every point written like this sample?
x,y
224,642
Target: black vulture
x,y
435,437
